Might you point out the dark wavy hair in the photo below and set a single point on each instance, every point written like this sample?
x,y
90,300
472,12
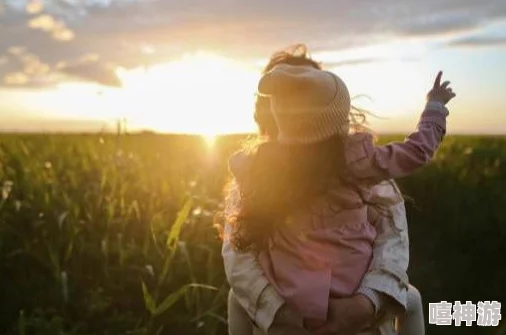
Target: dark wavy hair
x,y
282,179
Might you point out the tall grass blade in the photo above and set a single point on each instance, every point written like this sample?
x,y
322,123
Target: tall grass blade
x,y
148,299
170,300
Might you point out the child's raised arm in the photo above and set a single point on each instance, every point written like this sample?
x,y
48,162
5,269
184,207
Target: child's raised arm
x,y
398,159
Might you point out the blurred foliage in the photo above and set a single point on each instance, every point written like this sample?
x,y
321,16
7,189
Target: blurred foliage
x,y
103,234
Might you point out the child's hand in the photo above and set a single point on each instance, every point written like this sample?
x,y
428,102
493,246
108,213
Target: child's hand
x,y
441,92
347,316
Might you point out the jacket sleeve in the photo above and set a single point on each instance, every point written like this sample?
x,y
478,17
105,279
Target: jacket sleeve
x,y
246,278
388,269
372,163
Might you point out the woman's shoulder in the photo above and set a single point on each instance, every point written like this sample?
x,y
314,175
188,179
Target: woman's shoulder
x,y
238,163
386,192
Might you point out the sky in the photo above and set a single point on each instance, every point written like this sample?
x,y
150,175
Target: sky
x,y
192,66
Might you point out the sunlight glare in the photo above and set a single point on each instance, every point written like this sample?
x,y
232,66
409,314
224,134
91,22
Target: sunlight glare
x,y
200,93
396,88
209,95
210,140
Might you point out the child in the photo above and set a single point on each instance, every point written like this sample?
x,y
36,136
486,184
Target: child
x,y
304,197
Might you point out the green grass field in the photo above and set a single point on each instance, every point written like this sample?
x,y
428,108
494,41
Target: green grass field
x,y
114,234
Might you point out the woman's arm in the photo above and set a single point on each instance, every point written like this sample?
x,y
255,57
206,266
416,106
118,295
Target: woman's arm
x,y
388,269
251,288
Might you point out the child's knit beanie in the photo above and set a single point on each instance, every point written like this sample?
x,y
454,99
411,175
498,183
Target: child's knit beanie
x,y
308,104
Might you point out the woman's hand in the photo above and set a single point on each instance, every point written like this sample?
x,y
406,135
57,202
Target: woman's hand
x,y
347,316
441,92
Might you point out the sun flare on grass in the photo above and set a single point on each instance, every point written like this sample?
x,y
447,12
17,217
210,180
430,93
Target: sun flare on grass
x,y
210,140
199,94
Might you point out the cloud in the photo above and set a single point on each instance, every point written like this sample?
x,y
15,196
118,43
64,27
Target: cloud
x,y
479,42
437,24
362,61
130,33
94,72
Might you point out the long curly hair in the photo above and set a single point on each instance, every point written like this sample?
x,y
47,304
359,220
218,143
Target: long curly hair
x,y
282,179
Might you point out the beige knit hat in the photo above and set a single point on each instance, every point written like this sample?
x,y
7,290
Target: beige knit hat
x,y
309,105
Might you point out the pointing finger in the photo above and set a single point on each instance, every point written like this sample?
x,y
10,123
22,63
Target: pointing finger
x,y
437,82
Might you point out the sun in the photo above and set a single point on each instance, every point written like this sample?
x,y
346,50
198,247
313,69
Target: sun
x,y
210,140
198,94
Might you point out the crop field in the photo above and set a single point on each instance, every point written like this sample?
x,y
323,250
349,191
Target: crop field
x,y
107,234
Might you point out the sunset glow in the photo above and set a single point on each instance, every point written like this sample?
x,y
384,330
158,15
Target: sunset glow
x,y
185,67
200,93
206,94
